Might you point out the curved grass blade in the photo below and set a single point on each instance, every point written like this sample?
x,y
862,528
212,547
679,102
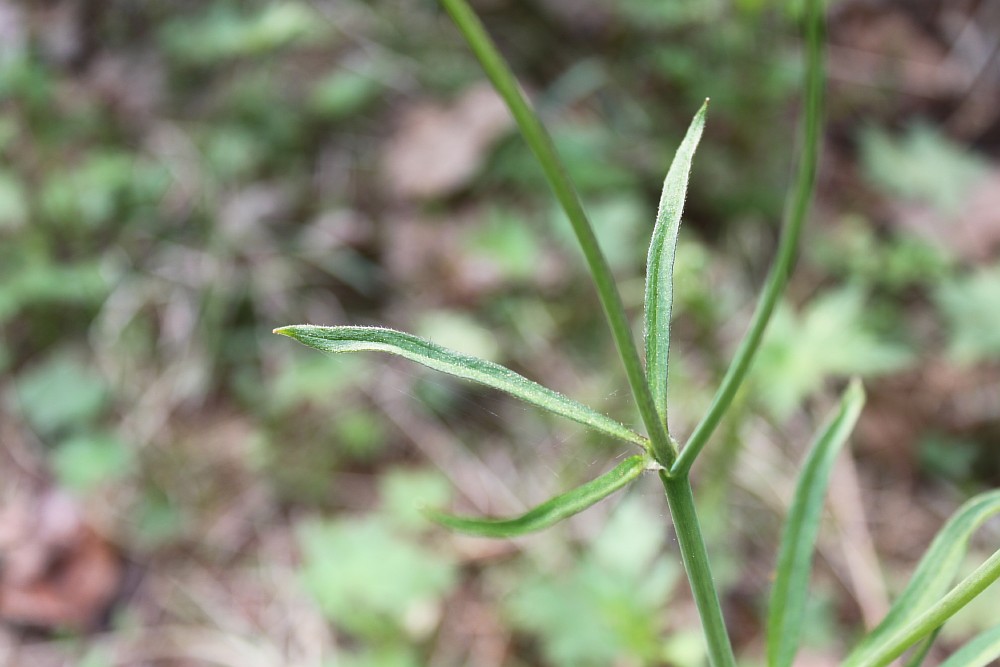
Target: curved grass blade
x,y
660,263
552,511
934,574
932,618
422,351
981,651
788,597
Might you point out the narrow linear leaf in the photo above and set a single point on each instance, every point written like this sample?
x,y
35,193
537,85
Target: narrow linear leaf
x,y
936,571
931,618
551,511
919,654
660,263
981,651
377,339
798,542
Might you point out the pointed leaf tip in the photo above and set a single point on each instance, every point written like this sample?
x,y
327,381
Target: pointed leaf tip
x,y
378,339
660,262
798,540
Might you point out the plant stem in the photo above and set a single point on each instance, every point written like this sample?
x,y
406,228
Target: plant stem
x,y
777,278
664,448
923,625
699,572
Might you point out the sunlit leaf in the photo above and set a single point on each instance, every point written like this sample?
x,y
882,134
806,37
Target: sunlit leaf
x,y
553,510
798,543
934,574
660,263
422,351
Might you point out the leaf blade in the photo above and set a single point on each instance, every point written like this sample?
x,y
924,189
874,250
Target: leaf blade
x,y
983,649
660,263
798,542
891,647
551,511
934,573
343,339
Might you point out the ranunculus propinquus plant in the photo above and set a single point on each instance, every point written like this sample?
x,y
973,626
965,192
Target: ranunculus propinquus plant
x,y
929,599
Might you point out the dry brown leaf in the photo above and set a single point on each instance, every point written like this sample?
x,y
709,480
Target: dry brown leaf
x,y
58,572
436,150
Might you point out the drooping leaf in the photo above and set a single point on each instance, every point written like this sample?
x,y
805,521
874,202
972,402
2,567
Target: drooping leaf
x,y
934,574
660,263
376,339
798,542
553,510
981,651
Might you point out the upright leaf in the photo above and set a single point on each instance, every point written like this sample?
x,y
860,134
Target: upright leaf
x,y
981,651
936,571
788,597
422,351
660,263
552,511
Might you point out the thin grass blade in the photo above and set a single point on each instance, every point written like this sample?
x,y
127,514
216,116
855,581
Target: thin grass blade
x,y
919,654
551,511
981,651
798,543
377,339
930,619
660,263
936,571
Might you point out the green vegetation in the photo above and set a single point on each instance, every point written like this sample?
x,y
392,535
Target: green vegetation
x,y
925,605
176,179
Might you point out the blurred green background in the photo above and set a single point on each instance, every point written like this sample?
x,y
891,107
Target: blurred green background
x,y
179,178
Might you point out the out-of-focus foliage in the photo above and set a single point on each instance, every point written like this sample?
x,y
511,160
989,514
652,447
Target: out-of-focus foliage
x,y
177,178
605,604
830,338
969,305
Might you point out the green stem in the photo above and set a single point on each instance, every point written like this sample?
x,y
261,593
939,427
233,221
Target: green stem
x,y
933,618
664,448
777,278
699,572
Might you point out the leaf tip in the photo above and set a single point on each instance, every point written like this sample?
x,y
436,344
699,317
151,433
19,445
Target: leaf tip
x,y
856,390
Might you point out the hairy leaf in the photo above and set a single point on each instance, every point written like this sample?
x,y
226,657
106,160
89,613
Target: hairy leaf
x,y
422,351
934,574
788,597
552,511
660,263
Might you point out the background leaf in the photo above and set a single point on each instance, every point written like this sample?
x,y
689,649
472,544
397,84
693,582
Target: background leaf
x,y
981,651
788,598
936,570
